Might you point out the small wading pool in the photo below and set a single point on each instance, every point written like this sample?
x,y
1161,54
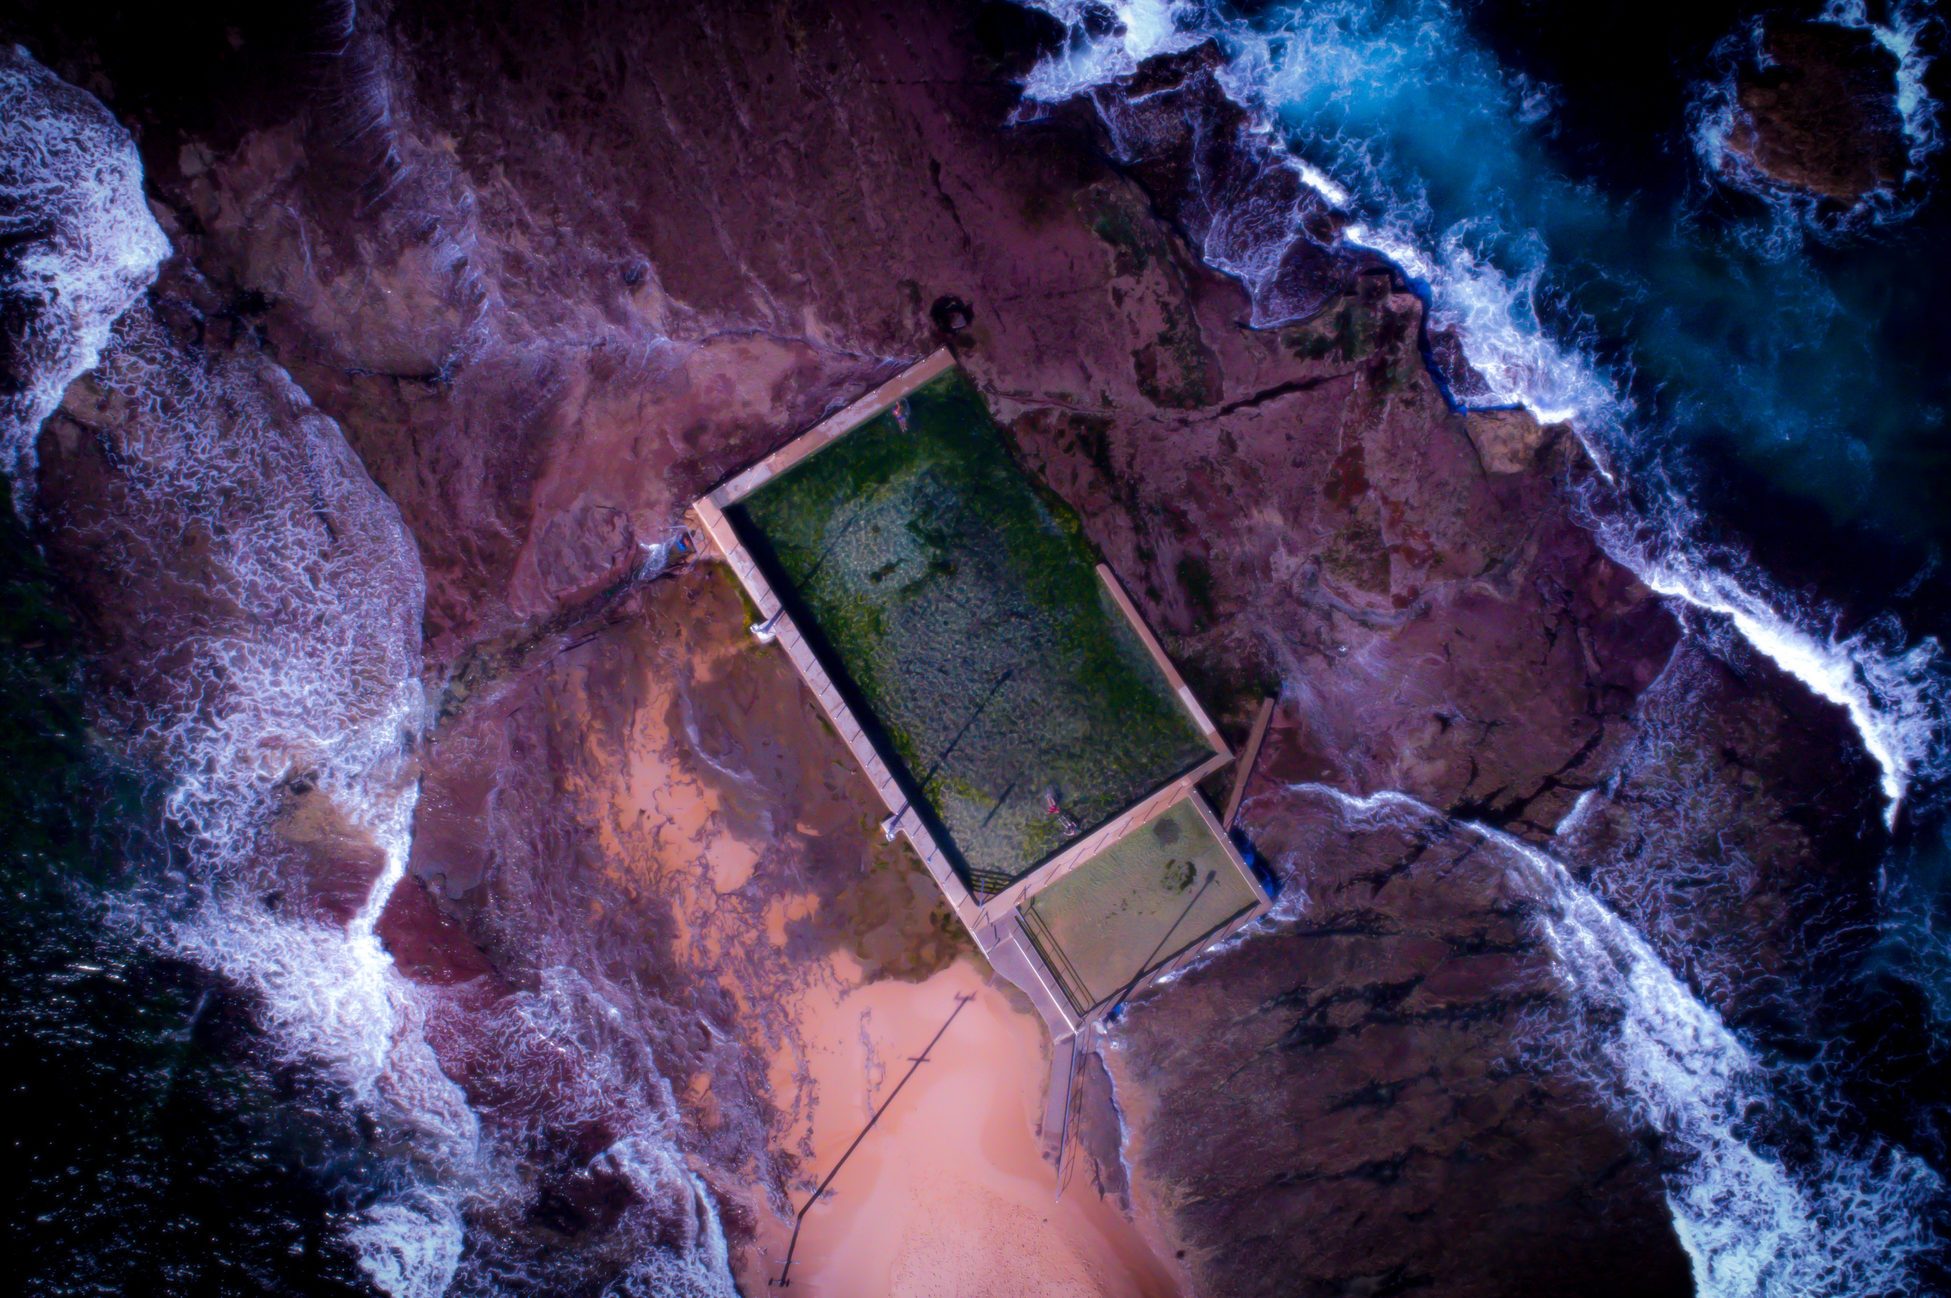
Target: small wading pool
x,y
1165,886
961,612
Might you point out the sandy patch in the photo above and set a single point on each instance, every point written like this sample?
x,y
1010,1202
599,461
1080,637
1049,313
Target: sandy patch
x,y
726,807
950,1194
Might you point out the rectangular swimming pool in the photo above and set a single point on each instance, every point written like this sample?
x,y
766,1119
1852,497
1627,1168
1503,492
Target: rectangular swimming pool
x,y
960,611
1167,885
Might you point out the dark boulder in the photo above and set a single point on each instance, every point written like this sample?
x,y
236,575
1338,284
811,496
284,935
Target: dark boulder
x,y
1817,112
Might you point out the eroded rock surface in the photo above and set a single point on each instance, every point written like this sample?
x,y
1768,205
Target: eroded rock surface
x,y
1818,112
1334,529
556,271
1365,1098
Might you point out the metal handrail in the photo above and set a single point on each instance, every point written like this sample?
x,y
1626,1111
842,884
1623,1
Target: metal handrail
x,y
785,1272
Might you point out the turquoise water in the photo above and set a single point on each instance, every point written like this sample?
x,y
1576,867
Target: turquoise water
x,y
1601,271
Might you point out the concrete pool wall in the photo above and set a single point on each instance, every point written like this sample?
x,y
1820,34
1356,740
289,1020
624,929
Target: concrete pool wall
x,y
1123,914
966,617
993,920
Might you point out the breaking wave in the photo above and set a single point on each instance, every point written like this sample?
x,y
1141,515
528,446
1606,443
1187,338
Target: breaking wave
x,y
1893,691
77,242
260,603
281,697
1398,116
1104,42
1902,32
1761,1205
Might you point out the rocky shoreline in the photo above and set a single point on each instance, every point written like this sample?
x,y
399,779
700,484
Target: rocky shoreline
x,y
551,282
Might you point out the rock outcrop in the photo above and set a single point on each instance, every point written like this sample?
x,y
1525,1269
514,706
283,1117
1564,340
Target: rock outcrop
x,y
1817,112
1365,1097
557,270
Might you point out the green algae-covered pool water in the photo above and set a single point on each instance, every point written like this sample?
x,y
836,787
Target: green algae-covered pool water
x,y
961,610
1132,907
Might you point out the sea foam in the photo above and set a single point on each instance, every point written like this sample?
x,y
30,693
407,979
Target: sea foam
x,y
1714,111
270,601
1837,1219
81,244
1893,686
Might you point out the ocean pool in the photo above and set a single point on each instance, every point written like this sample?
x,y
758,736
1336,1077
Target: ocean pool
x,y
961,610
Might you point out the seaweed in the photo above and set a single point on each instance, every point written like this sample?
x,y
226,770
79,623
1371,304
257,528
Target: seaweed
x,y
959,603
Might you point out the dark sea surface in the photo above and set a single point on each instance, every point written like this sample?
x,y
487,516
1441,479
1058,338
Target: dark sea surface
x,y
152,1150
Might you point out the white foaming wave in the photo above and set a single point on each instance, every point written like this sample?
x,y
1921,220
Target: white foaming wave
x,y
1495,321
1144,28
306,660
1714,110
1321,183
255,710
71,195
1896,694
302,658
1903,35
309,667
307,684
1852,1224
327,682
1581,808
410,1246
1748,1225
1711,114
669,1275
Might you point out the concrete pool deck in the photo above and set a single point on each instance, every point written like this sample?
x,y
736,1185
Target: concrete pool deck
x,y
993,920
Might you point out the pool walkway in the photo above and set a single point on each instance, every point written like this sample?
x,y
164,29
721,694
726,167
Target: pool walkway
x,y
993,920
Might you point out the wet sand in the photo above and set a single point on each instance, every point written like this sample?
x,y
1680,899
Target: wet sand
x,y
728,806
950,1194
